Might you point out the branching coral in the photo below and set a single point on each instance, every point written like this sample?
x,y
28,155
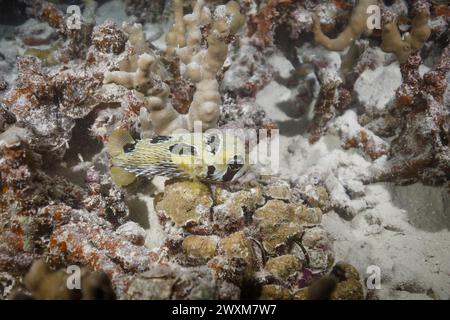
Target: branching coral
x,y
201,67
332,100
261,24
355,27
392,40
402,47
421,149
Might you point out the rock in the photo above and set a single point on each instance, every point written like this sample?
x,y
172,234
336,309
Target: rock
x,y
231,206
316,237
185,201
376,88
301,294
173,282
274,292
247,198
108,38
315,196
350,289
278,223
200,246
7,285
309,215
133,232
143,288
284,267
319,259
318,246
279,190
238,245
230,269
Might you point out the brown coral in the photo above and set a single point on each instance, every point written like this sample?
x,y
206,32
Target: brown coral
x,y
260,25
45,284
355,27
421,149
393,42
333,98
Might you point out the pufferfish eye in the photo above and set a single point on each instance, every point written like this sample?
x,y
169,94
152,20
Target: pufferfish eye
x,y
235,166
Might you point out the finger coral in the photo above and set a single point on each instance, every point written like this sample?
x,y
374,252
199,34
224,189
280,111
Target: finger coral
x,y
201,66
402,47
355,27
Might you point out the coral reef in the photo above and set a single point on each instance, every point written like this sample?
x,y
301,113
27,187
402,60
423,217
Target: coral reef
x,y
355,108
201,66
421,149
44,284
251,238
420,31
357,25
146,11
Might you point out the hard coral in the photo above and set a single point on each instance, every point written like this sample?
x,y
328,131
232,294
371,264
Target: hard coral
x,y
393,42
261,24
45,284
355,27
201,67
269,247
421,149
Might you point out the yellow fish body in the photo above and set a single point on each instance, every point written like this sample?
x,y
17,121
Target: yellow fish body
x,y
217,156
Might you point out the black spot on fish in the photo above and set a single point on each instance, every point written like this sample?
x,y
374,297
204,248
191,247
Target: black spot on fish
x,y
210,172
233,168
231,171
159,139
129,147
183,149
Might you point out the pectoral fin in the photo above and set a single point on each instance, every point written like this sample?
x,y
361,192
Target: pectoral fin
x,y
118,140
121,177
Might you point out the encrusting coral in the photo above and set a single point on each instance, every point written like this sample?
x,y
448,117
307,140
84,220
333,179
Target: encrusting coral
x,y
263,242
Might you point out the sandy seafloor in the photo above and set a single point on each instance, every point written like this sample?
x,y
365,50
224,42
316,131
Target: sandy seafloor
x,y
404,230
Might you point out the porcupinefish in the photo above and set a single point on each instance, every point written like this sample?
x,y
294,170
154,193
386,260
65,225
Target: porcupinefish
x,y
216,157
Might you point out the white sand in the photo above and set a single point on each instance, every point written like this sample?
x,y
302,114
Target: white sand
x,y
404,230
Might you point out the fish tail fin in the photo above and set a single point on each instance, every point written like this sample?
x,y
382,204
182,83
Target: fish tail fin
x,y
121,177
118,140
